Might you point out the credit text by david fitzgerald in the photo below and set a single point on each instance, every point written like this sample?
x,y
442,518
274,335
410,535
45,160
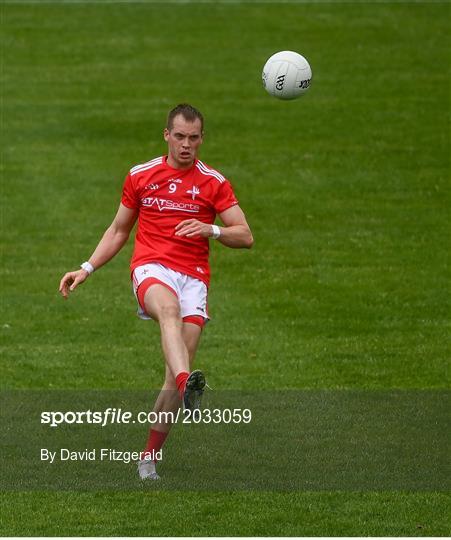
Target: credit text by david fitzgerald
x,y
98,454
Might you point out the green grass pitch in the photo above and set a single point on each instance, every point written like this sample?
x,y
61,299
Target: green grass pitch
x,y
346,191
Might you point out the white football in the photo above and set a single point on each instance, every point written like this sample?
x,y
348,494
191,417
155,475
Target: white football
x,y
286,75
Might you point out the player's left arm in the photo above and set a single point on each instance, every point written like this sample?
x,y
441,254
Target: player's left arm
x,y
235,233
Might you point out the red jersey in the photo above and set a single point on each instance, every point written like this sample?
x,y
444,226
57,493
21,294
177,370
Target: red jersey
x,y
164,197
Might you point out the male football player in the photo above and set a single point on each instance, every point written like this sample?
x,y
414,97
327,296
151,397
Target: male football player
x,y
175,199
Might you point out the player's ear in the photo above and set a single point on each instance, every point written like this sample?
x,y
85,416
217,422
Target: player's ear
x,y
166,134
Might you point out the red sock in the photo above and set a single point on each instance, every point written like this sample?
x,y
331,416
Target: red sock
x,y
180,381
154,442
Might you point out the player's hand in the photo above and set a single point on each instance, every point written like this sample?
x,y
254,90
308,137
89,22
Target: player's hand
x,y
192,228
72,280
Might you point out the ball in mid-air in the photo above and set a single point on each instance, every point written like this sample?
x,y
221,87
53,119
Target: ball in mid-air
x,y
286,75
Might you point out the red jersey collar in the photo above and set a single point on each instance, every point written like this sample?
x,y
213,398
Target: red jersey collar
x,y
165,162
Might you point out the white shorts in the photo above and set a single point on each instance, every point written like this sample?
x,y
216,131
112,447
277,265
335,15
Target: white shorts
x,y
191,292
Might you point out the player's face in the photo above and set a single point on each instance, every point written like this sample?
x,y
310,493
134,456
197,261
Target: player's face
x,y
183,140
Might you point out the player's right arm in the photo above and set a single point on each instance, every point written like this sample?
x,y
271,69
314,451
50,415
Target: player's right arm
x,y
111,243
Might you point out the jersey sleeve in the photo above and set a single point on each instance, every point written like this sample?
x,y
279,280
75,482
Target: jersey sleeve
x,y
129,197
224,197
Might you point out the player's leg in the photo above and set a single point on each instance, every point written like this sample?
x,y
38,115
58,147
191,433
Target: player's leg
x,y
168,400
191,337
161,297
163,306
195,383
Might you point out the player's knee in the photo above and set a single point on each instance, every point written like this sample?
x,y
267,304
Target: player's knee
x,y
169,312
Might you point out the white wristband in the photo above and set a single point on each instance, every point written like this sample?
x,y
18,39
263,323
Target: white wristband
x,y
88,267
216,232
